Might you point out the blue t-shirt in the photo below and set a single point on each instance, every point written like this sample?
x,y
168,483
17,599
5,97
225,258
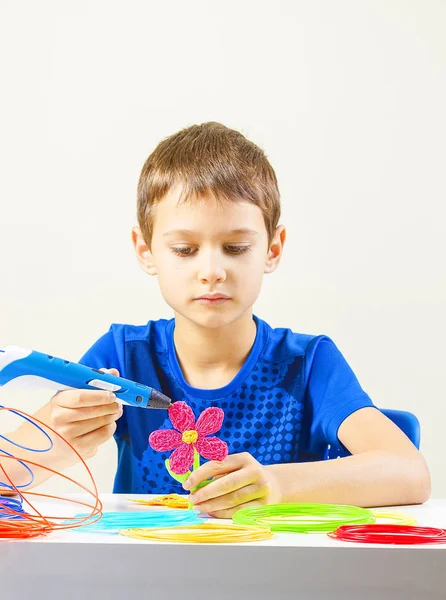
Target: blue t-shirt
x,y
285,404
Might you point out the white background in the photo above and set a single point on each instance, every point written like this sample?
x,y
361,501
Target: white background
x,y
346,97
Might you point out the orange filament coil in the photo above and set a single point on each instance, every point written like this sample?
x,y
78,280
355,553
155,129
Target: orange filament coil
x,y
17,524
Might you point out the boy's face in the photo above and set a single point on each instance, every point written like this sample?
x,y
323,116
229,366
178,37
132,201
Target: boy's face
x,y
204,247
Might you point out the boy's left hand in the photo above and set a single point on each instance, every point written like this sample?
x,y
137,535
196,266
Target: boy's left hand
x,y
238,481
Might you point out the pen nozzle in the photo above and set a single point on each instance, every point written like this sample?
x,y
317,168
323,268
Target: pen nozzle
x,y
159,400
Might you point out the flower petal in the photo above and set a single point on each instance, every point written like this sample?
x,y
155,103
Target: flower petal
x,y
182,459
210,421
165,439
211,448
182,416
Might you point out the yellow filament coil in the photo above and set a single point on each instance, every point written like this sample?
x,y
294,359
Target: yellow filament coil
x,y
205,533
169,500
398,518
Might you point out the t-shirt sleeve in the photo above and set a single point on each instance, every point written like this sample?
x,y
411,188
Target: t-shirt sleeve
x,y
334,392
103,354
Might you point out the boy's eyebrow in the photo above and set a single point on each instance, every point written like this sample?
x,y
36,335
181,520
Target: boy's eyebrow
x,y
240,231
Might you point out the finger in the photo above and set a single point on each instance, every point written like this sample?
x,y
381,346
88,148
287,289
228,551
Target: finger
x,y
229,512
82,398
69,415
213,468
222,486
81,428
248,493
111,371
88,443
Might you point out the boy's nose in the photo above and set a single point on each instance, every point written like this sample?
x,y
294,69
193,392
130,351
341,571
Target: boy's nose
x,y
211,270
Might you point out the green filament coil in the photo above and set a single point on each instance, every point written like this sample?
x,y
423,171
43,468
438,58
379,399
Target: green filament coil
x,y
303,518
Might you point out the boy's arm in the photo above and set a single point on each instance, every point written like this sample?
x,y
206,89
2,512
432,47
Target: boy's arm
x,y
58,458
385,469
84,418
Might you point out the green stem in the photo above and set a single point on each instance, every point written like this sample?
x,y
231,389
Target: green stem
x,y
196,460
195,466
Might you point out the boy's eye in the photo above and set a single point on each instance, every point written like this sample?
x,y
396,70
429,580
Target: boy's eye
x,y
188,251
182,251
237,249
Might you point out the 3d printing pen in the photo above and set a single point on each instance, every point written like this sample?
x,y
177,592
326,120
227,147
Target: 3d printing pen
x,y
28,369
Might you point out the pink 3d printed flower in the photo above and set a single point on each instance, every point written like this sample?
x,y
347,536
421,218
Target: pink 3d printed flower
x,y
191,437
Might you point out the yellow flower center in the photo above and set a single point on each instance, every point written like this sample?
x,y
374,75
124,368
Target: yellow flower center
x,y
190,437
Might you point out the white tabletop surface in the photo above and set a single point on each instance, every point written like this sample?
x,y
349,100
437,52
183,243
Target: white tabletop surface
x,y
81,564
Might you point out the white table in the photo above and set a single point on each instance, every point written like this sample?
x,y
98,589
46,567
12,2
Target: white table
x,y
76,565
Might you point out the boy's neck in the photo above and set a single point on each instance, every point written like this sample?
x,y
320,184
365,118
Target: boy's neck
x,y
204,352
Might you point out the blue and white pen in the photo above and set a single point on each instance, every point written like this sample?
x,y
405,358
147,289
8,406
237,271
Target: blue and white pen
x,y
21,368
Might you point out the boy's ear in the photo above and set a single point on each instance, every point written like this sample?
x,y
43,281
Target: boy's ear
x,y
143,253
275,250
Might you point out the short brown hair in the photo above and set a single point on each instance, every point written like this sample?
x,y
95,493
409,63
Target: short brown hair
x,y
208,158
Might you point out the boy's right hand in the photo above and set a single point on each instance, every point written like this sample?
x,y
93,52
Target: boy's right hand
x,y
85,418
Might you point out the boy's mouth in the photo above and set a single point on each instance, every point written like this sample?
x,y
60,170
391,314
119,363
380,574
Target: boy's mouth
x,y
216,298
212,301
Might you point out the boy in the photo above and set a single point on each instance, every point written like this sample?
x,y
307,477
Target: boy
x,y
208,212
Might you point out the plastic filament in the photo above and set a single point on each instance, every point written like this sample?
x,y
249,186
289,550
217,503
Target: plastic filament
x,y
397,518
303,518
169,500
15,522
389,534
206,533
11,508
112,522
